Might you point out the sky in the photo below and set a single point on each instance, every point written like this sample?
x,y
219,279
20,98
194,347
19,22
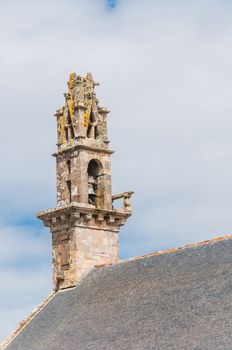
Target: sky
x,y
165,74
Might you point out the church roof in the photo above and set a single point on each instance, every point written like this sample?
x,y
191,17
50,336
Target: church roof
x,y
178,299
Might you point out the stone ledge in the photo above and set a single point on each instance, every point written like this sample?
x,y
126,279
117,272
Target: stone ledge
x,y
81,146
87,216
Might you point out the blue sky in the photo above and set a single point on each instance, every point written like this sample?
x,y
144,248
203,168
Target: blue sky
x,y
165,74
112,3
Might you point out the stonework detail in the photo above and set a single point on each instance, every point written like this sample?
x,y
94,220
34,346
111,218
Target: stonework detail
x,y
84,225
81,117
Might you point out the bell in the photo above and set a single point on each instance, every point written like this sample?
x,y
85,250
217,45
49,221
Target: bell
x,y
91,189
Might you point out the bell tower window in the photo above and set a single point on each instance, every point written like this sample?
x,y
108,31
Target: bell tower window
x,y
95,182
69,187
69,166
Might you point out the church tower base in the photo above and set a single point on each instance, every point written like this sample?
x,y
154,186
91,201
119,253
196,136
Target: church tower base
x,y
82,237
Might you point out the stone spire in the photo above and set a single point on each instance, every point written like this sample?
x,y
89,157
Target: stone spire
x,y
81,118
84,225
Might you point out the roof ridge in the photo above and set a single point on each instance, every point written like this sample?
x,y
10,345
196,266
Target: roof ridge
x,y
171,250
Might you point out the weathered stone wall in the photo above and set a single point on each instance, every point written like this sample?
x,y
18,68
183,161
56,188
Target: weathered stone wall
x,y
82,237
78,249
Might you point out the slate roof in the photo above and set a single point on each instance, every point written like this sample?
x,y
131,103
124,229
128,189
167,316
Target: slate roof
x,y
178,300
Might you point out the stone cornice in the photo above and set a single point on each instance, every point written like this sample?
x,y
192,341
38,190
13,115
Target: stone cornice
x,y
85,216
81,146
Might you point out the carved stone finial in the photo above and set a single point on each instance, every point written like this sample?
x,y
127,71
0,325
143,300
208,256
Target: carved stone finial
x,y
82,120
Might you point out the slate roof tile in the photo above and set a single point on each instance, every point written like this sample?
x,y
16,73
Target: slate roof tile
x,y
177,299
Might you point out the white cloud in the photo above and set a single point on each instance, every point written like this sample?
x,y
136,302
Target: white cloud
x,y
165,73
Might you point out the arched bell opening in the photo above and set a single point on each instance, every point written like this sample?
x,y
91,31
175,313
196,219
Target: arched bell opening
x,y
95,183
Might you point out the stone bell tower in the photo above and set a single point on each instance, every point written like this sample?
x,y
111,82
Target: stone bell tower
x,y
84,225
